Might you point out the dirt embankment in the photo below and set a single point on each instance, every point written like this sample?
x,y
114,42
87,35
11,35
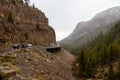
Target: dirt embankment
x,y
41,65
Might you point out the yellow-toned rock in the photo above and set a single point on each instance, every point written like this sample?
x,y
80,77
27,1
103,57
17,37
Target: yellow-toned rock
x,y
7,71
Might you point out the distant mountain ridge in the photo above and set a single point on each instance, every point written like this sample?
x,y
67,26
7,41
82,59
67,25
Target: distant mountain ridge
x,y
85,31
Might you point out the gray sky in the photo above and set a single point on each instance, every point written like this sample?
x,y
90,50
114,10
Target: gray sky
x,y
64,15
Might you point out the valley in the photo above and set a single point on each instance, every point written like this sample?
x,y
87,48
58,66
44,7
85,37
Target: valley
x,y
29,50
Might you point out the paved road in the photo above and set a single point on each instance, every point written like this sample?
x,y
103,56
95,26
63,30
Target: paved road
x,y
4,50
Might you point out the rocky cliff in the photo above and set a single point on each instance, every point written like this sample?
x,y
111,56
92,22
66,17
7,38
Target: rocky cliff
x,y
20,23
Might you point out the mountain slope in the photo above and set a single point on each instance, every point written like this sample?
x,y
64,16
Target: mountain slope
x,y
86,31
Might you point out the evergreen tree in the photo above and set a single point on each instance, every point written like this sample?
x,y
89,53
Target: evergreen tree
x,y
27,2
88,69
111,54
81,61
13,1
10,18
110,72
26,35
33,5
118,74
37,26
103,54
21,1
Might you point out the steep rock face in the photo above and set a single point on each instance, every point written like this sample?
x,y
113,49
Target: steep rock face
x,y
20,23
85,31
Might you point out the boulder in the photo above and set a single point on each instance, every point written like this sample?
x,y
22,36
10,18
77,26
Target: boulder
x,y
7,71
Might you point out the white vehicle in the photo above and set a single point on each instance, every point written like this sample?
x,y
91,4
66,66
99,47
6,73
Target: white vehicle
x,y
29,45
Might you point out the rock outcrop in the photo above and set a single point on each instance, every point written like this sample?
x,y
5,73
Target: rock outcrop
x,y
20,23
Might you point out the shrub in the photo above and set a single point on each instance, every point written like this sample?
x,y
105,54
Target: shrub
x,y
10,18
26,35
37,26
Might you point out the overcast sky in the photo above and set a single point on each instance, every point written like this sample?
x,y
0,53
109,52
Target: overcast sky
x,y
64,15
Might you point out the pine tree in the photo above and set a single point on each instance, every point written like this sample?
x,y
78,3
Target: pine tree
x,y
33,5
88,69
81,61
13,1
110,72
37,26
27,2
103,54
118,74
26,35
10,18
111,54
21,1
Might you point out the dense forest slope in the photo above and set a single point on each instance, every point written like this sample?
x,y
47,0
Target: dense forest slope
x,y
20,23
85,31
100,58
